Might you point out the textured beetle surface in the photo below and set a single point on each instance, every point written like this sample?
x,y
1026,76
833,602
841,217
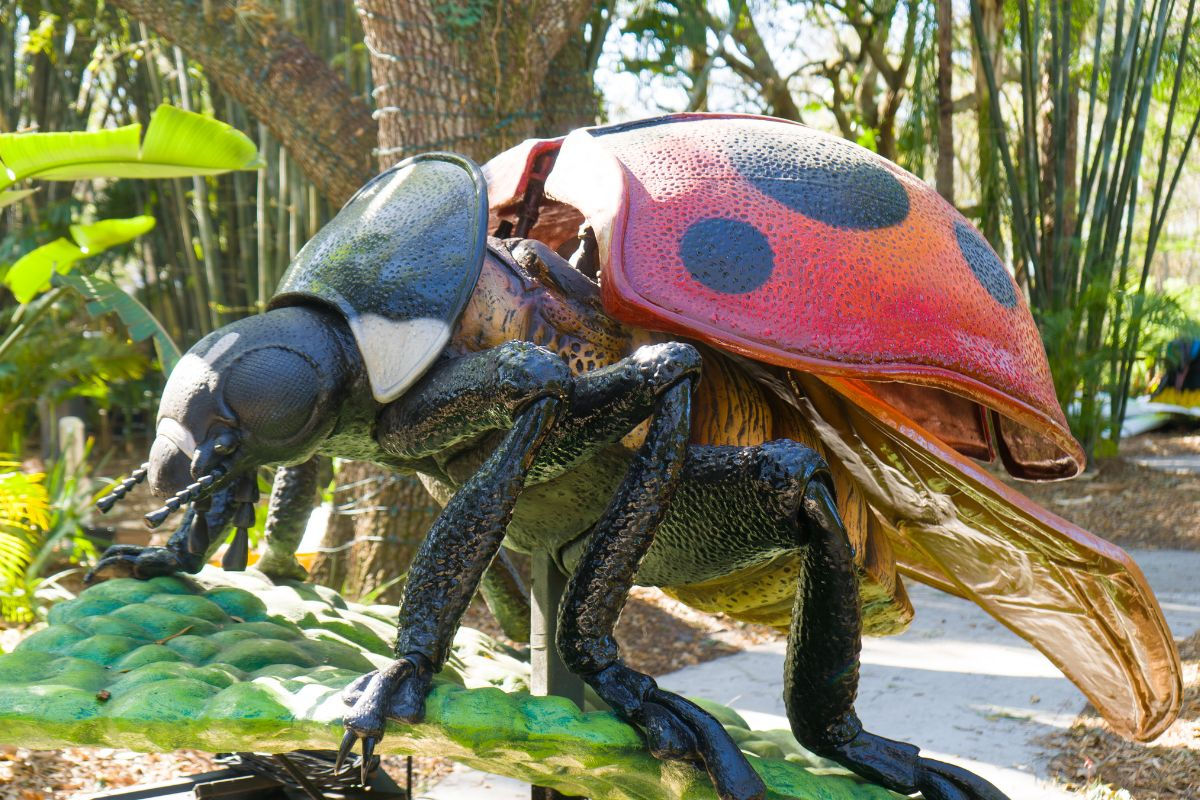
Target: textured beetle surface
x,y
761,467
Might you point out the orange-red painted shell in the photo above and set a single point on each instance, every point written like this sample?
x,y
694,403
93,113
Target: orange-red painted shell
x,y
793,247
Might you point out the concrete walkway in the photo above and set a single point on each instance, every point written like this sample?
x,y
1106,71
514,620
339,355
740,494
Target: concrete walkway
x,y
958,684
1182,464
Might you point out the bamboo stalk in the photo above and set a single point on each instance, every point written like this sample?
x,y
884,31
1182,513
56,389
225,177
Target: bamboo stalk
x,y
241,206
296,214
1157,218
200,209
282,194
260,217
1079,287
999,136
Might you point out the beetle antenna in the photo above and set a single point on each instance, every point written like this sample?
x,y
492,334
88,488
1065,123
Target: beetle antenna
x,y
159,516
106,503
189,494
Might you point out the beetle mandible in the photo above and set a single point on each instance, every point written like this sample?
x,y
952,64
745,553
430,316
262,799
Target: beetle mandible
x,y
758,382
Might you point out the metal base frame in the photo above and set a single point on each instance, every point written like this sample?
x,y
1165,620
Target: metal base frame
x,y
233,783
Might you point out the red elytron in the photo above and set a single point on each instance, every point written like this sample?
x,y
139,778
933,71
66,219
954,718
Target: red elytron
x,y
907,343
845,264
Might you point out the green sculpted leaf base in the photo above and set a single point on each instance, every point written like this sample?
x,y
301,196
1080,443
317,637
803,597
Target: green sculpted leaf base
x,y
232,662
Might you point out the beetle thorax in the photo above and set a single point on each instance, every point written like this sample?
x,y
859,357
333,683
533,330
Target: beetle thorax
x,y
535,296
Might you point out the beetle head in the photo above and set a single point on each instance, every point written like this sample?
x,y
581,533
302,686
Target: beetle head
x,y
264,390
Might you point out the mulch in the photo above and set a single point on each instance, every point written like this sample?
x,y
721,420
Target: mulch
x,y
1088,754
76,771
1128,504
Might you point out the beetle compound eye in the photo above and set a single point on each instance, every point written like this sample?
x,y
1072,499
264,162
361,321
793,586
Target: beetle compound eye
x,y
273,392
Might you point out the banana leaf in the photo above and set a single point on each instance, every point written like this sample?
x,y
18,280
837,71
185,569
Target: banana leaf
x,y
32,272
177,143
11,196
104,296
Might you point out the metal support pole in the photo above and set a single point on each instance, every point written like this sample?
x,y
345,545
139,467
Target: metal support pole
x,y
549,674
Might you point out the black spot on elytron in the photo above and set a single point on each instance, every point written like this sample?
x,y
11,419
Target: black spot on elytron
x,y
727,255
829,180
986,265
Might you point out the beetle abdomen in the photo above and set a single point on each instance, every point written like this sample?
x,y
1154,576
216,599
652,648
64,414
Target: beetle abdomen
x,y
732,408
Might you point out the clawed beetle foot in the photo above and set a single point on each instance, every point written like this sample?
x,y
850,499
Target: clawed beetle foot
x,y
678,729
898,766
938,780
395,692
135,561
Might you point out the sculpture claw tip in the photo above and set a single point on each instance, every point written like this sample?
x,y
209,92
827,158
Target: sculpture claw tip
x,y
343,751
365,765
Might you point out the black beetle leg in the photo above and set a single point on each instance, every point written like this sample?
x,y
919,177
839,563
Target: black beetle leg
x,y
188,549
596,593
444,575
821,677
292,494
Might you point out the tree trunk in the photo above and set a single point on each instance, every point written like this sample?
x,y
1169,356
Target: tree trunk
x,y
569,98
945,89
379,518
306,105
329,565
469,78
464,76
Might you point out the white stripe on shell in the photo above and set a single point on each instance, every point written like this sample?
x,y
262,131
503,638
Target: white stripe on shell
x,y
397,353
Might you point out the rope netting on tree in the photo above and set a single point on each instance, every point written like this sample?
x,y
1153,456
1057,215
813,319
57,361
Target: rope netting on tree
x,y
477,77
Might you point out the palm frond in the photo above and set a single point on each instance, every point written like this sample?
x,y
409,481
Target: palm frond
x,y
24,518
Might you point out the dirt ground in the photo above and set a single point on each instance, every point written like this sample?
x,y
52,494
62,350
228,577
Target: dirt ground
x,y
43,774
83,771
1131,505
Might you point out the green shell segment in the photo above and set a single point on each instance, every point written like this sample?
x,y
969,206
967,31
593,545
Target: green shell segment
x,y
230,661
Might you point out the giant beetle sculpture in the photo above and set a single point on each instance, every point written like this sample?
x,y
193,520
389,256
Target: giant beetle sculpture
x,y
759,383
